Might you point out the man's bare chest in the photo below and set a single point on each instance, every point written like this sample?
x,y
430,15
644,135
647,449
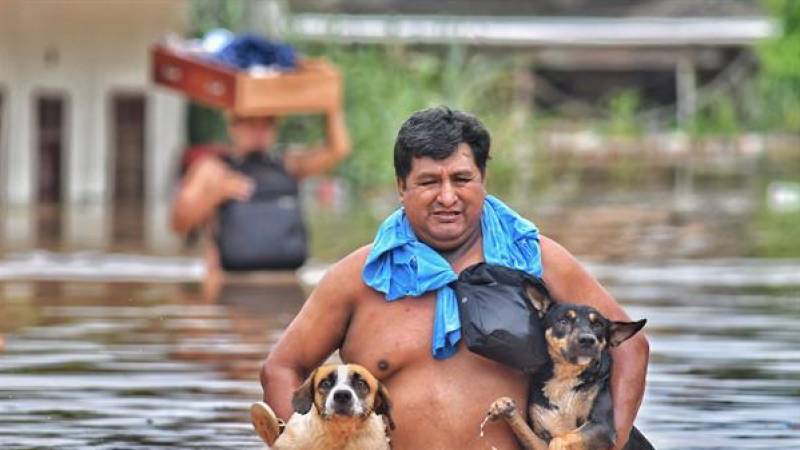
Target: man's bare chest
x,y
385,336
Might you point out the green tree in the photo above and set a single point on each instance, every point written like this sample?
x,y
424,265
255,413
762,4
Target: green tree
x,y
780,67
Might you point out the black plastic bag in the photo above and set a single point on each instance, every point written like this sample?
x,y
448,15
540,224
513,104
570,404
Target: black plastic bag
x,y
497,319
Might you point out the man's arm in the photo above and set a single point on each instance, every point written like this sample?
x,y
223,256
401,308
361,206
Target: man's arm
x,y
206,185
314,333
309,162
567,280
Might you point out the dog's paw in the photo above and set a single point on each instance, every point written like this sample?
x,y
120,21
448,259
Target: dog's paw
x,y
570,441
266,423
502,407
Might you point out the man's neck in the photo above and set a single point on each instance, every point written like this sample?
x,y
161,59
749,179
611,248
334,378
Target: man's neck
x,y
453,256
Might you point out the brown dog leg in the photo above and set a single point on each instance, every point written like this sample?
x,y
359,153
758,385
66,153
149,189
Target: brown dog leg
x,y
570,441
506,409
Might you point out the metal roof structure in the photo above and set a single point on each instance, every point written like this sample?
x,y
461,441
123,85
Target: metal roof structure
x,y
537,8
533,31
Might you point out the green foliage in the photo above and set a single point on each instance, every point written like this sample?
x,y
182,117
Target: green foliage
x,y
718,118
780,67
205,124
334,235
384,85
205,15
780,56
623,108
776,235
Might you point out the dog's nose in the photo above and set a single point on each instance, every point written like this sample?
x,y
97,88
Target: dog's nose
x,y
342,397
587,340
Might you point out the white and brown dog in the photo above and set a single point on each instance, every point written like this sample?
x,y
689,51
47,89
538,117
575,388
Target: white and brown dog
x,y
339,407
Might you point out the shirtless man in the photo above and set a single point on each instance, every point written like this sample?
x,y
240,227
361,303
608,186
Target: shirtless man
x,y
209,182
437,404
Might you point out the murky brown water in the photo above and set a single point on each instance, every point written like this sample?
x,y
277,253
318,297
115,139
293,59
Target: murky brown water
x,y
134,365
146,365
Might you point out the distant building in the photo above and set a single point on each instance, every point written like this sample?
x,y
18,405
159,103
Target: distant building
x,y
578,52
80,123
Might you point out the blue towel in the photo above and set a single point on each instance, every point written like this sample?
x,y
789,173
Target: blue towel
x,y
400,265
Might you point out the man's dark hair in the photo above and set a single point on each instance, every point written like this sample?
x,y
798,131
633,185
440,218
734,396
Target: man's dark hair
x,y
436,133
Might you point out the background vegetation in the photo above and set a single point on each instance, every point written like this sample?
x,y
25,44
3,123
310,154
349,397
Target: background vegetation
x,y
385,84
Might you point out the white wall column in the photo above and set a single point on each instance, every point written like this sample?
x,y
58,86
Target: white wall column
x,y
165,122
99,163
686,88
18,218
85,222
87,225
21,155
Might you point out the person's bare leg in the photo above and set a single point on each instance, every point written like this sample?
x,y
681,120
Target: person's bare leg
x,y
505,408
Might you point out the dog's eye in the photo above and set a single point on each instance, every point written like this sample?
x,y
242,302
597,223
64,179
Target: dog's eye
x,y
563,321
361,385
325,384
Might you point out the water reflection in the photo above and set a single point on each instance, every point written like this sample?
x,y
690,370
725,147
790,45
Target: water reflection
x,y
131,365
144,365
725,371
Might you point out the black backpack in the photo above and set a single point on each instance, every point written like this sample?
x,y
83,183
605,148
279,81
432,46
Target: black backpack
x,y
266,231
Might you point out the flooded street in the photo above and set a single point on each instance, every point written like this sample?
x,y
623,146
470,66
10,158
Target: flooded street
x,y
134,365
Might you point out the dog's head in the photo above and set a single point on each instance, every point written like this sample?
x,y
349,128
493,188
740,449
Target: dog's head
x,y
343,390
577,334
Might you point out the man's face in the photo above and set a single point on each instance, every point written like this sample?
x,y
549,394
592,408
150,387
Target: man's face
x,y
444,199
251,133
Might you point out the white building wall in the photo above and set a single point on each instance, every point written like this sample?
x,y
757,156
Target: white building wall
x,y
86,50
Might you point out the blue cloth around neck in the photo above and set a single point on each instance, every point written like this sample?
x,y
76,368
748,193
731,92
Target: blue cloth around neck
x,y
400,265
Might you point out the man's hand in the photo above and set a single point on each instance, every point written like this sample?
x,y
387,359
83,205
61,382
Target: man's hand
x,y
233,186
314,334
315,161
208,183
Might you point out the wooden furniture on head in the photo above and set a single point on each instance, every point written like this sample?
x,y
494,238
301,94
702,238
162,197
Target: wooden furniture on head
x,y
314,86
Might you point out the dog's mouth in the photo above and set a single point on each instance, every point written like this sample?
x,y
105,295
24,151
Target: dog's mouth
x,y
581,355
344,410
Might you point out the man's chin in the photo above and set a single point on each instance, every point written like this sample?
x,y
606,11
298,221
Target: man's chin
x,y
445,241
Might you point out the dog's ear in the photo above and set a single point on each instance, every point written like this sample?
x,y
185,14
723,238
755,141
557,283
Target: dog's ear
x,y
538,295
303,397
620,332
383,405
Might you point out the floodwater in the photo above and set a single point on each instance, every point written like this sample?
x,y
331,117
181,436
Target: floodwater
x,y
133,365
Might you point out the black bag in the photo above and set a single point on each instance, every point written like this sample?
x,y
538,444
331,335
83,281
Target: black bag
x,y
497,319
267,230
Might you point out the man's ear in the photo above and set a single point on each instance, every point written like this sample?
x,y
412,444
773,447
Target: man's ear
x,y
303,397
538,295
400,184
620,332
383,405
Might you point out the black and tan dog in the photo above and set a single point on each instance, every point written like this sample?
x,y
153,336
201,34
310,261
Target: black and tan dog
x,y
338,407
569,404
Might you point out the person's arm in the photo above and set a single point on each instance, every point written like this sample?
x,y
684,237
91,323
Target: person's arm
x,y
309,162
567,280
206,185
316,331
